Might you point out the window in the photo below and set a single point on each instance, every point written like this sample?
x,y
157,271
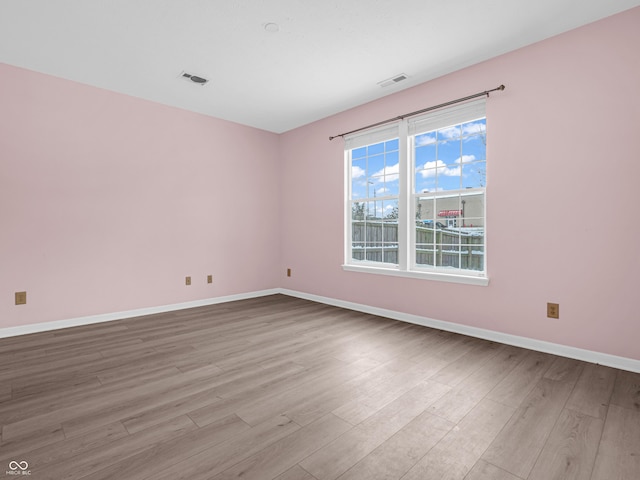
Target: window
x,y
416,196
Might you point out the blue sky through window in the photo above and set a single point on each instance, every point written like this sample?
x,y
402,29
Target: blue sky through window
x,y
374,175
450,158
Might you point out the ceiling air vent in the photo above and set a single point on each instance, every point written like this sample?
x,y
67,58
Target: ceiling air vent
x,y
194,78
393,80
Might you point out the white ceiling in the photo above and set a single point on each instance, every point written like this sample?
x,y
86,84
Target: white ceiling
x,y
327,56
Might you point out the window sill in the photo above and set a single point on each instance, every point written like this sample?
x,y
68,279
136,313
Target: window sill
x,y
436,276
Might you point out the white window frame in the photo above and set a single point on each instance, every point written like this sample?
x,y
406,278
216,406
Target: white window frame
x,y
405,130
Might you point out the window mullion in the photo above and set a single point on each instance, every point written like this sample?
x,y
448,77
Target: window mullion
x,y
404,199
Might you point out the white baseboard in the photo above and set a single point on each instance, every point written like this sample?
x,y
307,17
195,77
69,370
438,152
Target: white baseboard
x,y
606,359
108,317
614,361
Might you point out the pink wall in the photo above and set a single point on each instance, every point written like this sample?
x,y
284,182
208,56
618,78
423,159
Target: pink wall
x,y
107,202
562,207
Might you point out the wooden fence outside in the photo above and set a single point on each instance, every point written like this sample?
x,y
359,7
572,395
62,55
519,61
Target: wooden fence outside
x,y
378,242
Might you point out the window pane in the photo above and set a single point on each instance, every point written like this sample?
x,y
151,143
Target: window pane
x,y
425,239
473,148
390,232
390,211
448,211
391,173
474,175
375,149
370,210
474,259
448,178
475,127
358,211
449,153
449,133
425,156
473,209
391,159
424,208
374,185
358,179
375,241
425,139
391,187
359,152
375,166
425,181
391,145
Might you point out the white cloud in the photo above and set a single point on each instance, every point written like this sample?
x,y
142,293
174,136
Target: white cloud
x,y
449,133
390,171
425,139
473,128
357,172
465,159
431,167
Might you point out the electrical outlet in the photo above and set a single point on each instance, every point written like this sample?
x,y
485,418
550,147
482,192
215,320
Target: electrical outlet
x,y
288,272
21,298
187,280
553,310
209,278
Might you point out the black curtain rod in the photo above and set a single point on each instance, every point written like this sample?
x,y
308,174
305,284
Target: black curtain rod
x,y
418,112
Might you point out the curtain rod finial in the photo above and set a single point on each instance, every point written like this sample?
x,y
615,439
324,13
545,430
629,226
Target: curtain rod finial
x,y
501,87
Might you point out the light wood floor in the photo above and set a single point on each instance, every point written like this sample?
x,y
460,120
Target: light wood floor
x,y
282,388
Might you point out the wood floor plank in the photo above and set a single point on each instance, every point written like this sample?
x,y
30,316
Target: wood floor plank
x,y
5,392
296,473
379,393
626,392
284,454
65,450
592,393
206,464
564,368
570,451
150,416
79,415
456,454
470,362
461,399
398,454
25,389
619,454
485,471
200,454
90,461
519,444
616,468
37,369
19,446
514,388
390,386
621,435
333,384
337,457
